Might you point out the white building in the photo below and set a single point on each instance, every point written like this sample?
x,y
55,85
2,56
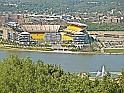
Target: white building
x,y
24,38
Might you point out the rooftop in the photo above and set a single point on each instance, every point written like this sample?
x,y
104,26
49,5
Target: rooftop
x,y
41,28
24,33
77,24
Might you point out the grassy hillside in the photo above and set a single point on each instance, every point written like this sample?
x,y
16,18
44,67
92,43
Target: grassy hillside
x,y
65,5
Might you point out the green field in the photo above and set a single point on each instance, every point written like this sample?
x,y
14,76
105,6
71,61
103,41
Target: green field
x,y
114,51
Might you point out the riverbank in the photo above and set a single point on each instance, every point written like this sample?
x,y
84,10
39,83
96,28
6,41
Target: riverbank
x,y
59,51
43,50
54,51
114,50
48,50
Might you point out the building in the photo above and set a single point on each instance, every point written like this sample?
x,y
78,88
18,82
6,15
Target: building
x,y
53,37
75,27
24,38
81,38
109,39
43,19
2,19
75,32
7,33
111,19
1,36
38,32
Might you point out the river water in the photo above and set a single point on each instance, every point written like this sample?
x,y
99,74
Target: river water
x,y
73,62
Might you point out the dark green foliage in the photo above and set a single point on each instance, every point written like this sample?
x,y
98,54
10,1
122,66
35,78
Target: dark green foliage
x,y
105,26
59,6
19,75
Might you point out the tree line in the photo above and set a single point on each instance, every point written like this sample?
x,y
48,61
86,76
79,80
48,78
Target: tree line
x,y
105,26
58,6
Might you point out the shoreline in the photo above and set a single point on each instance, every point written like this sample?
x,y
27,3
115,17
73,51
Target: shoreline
x,y
60,52
55,51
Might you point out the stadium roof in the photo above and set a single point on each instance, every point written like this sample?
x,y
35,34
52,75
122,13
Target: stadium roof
x,y
77,24
41,28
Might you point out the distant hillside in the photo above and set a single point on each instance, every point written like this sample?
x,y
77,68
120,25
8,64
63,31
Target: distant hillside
x,y
63,5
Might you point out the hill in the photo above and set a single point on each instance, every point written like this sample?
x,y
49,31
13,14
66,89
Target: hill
x,y
63,5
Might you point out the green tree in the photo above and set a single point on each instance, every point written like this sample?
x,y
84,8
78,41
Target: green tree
x,y
22,75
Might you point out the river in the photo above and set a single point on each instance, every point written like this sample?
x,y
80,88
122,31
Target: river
x,y
73,62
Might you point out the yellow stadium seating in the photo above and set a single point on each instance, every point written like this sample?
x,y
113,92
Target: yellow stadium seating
x,y
65,37
73,29
38,36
